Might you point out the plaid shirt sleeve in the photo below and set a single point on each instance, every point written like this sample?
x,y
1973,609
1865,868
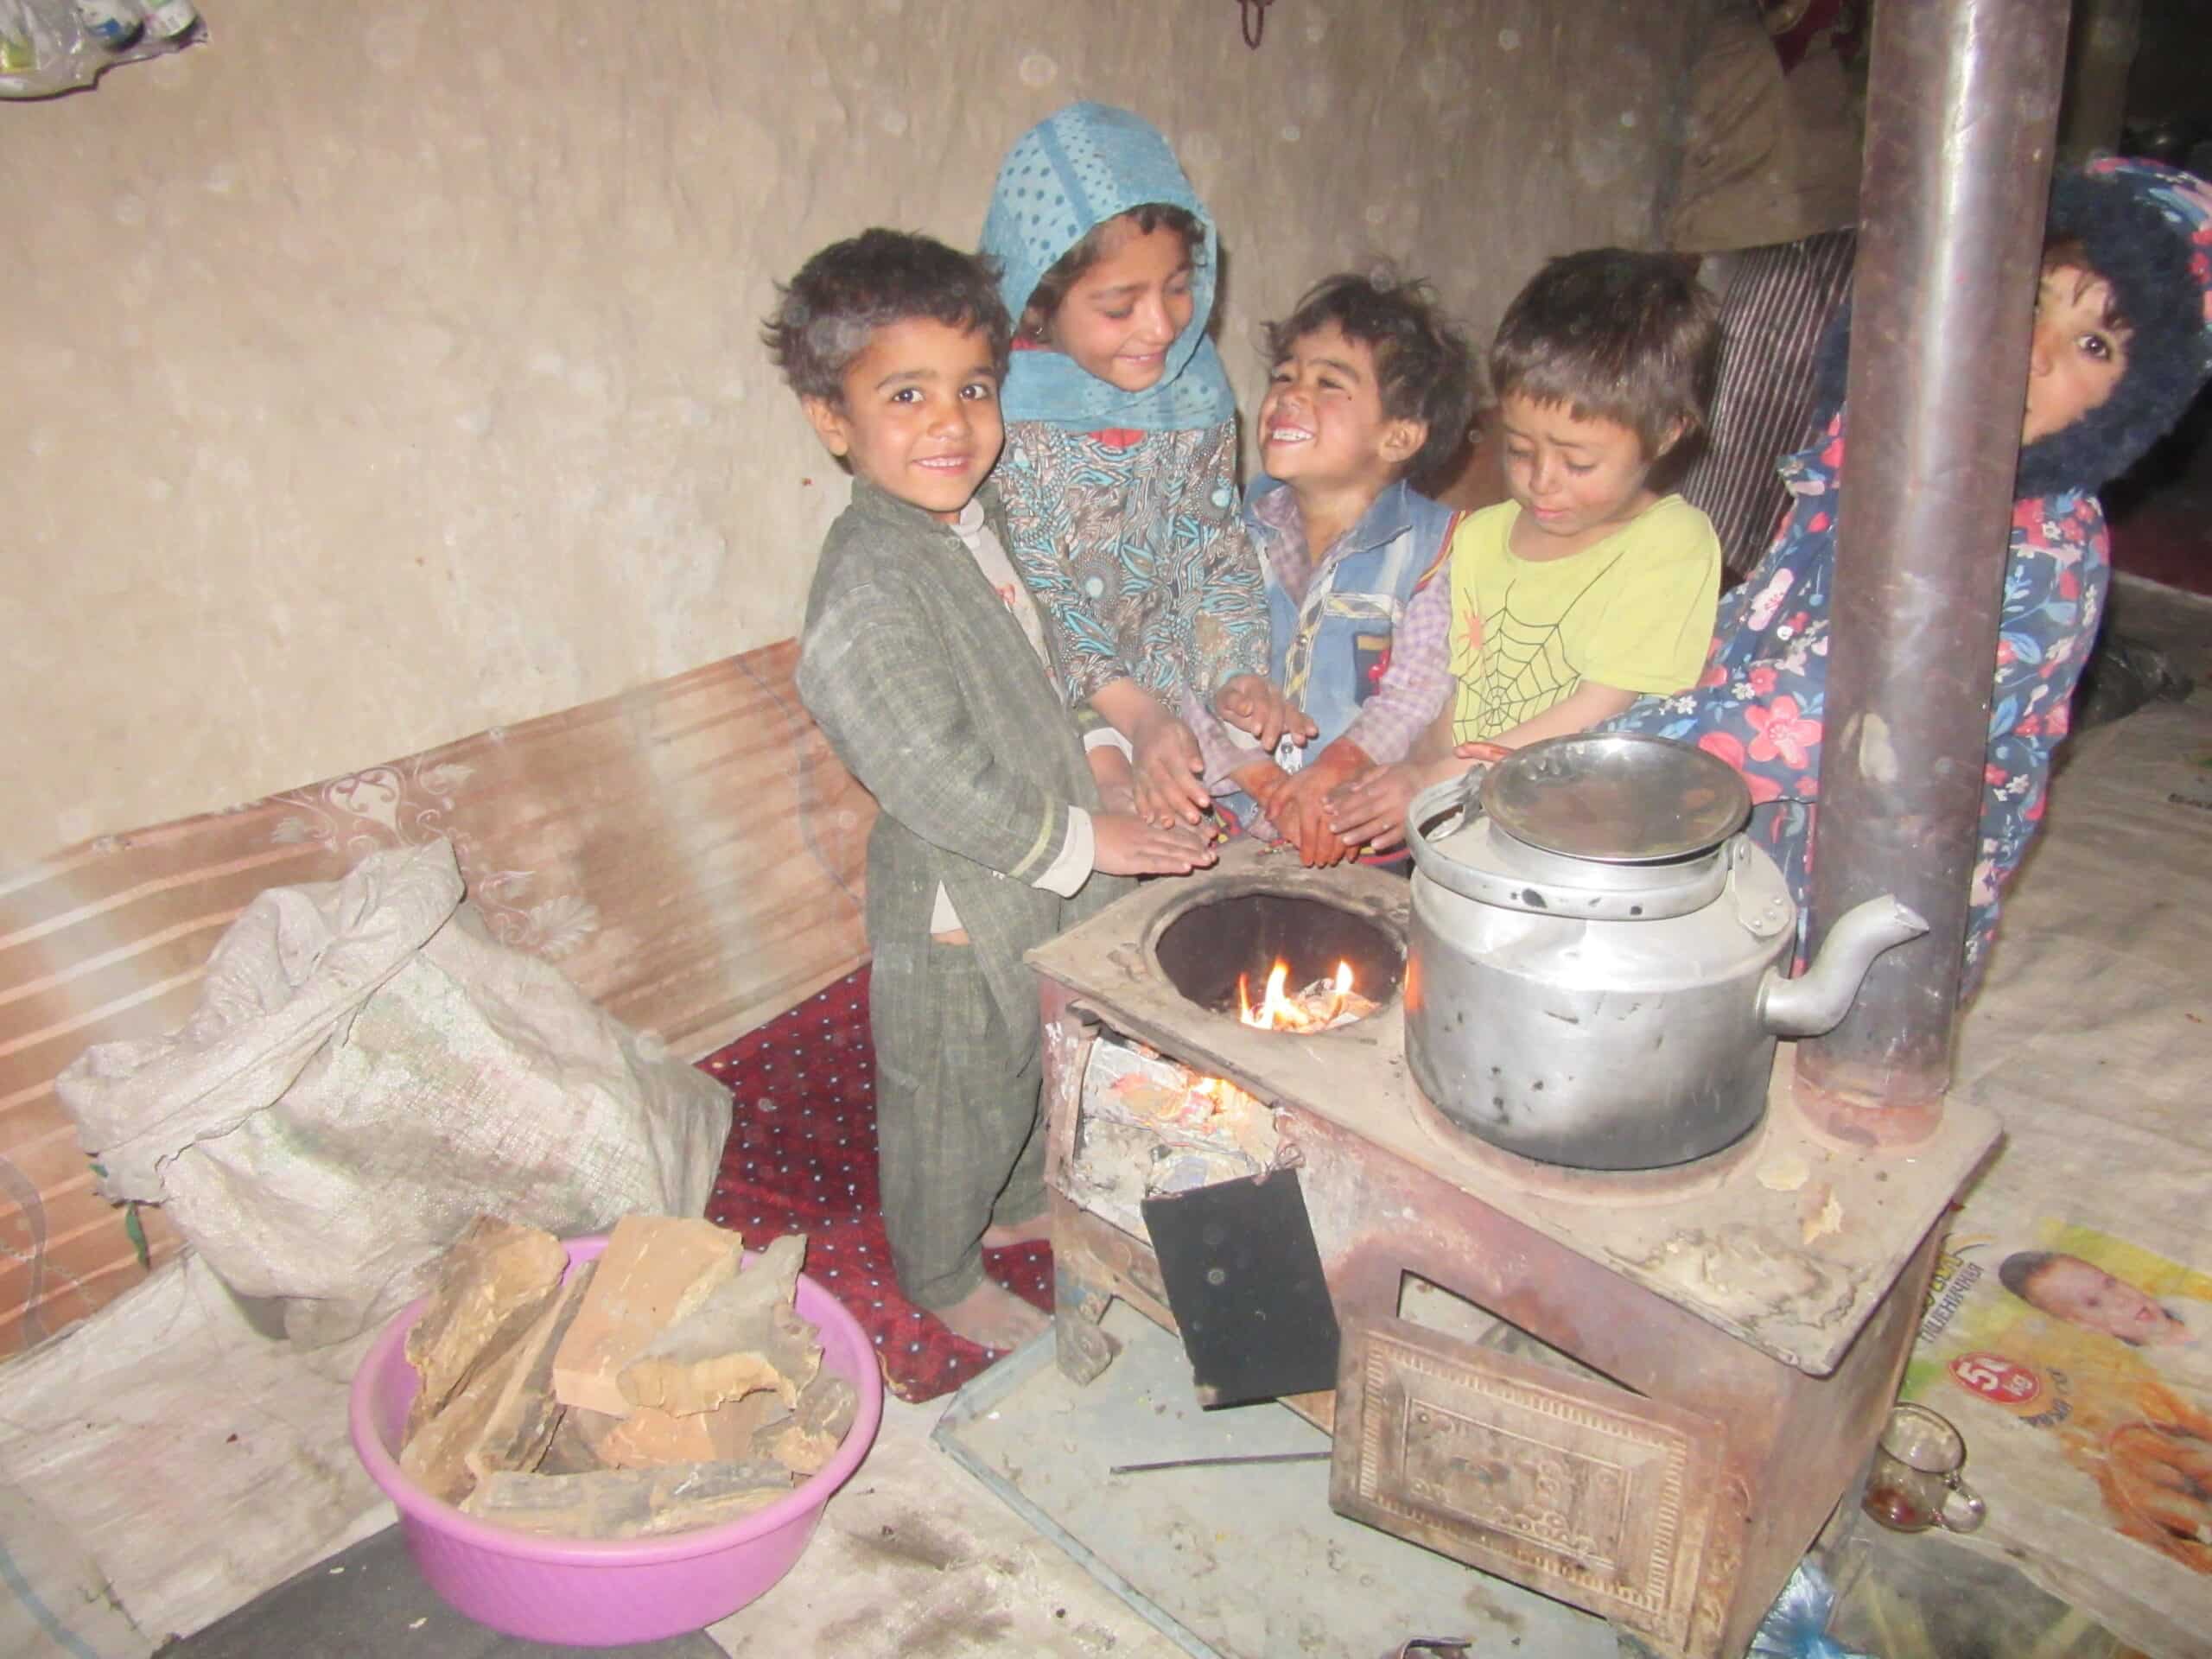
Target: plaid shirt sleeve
x,y
1416,682
1221,747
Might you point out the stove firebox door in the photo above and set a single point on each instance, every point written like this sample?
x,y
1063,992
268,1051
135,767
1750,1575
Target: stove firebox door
x,y
1244,1282
1585,1492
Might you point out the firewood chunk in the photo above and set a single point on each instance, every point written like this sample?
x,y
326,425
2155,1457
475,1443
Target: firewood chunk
x,y
655,1270
490,1423
492,1284
522,1420
629,1502
648,1437
746,1336
569,1452
806,1438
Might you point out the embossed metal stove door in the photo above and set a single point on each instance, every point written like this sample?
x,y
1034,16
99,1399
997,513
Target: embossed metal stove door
x,y
1583,1490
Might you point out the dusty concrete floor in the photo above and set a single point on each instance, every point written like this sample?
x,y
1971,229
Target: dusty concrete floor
x,y
917,1556
917,1559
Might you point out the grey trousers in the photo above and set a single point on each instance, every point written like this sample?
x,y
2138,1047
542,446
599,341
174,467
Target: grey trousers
x,y
957,1117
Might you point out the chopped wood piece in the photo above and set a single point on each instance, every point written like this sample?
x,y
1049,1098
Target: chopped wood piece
x,y
655,1270
522,1419
746,1336
494,1282
648,1437
437,1459
808,1437
629,1502
570,1451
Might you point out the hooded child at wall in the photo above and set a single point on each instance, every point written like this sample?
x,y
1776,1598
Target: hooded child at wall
x,y
2122,342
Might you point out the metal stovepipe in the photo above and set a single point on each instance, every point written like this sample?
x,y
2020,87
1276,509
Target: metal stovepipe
x,y
1962,114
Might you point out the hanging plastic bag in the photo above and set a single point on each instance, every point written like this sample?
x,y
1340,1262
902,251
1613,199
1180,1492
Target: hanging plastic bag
x,y
48,46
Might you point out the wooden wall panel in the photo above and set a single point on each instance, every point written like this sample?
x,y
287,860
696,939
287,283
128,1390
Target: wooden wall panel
x,y
691,854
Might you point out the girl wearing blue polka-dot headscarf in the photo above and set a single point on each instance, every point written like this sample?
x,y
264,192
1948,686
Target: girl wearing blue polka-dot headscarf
x,y
1119,471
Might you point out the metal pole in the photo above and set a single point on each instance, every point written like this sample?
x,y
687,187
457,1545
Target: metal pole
x,y
1961,112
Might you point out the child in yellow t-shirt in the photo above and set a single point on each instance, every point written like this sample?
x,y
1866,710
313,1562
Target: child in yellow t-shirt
x,y
1587,588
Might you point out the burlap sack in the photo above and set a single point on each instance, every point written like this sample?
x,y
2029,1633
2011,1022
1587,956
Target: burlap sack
x,y
368,1067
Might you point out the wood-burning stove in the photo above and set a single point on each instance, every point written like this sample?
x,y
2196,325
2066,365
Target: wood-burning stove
x,y
1716,1344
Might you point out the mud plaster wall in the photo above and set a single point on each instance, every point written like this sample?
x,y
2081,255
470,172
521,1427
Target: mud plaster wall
x,y
378,374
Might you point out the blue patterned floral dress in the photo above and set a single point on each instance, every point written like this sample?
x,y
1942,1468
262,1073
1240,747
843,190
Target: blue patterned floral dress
x,y
1133,544
1127,521
1761,703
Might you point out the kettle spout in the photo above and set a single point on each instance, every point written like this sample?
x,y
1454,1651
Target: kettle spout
x,y
1817,999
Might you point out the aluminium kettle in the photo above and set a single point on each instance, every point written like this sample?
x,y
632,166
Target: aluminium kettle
x,y
1598,966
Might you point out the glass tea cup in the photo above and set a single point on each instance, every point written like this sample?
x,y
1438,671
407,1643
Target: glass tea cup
x,y
1914,1483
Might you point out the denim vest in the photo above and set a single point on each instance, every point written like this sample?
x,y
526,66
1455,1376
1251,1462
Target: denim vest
x,y
1328,651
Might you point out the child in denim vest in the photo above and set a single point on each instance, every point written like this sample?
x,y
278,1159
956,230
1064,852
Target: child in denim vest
x,y
1371,389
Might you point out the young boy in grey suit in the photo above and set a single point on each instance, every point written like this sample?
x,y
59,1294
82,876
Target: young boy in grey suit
x,y
923,661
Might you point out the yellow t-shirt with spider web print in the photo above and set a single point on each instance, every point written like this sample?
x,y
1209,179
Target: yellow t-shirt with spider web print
x,y
1634,612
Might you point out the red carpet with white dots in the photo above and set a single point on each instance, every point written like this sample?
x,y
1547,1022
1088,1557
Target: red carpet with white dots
x,y
801,1159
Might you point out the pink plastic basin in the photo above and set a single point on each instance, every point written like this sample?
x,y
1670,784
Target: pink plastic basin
x,y
602,1595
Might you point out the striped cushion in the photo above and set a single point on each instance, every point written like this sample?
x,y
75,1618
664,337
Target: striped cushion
x,y
1776,304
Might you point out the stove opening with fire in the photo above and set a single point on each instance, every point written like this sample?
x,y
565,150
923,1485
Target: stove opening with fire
x,y
1149,1123
1221,953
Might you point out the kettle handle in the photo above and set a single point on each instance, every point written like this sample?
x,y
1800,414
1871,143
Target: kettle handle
x,y
1464,794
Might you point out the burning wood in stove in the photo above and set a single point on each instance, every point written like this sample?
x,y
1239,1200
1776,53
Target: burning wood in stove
x,y
1323,1005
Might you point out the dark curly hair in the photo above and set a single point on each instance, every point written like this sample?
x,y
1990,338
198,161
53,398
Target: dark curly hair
x,y
1044,299
824,316
1614,335
1423,364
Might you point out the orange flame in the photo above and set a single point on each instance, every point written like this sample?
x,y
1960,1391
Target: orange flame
x,y
1279,1011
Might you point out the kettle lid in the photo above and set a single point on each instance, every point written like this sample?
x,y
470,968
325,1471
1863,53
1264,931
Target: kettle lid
x,y
1616,798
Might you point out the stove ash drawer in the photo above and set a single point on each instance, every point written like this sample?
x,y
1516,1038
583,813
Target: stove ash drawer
x,y
1587,1492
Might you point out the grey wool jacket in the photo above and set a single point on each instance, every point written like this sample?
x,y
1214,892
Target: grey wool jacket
x,y
932,696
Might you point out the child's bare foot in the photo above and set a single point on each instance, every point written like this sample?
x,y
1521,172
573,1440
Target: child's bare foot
x,y
1036,1230
993,1317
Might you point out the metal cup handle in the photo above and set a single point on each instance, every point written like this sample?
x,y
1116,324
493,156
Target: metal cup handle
x,y
1963,1510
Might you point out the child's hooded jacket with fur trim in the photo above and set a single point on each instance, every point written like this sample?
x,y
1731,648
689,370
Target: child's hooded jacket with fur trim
x,y
2147,230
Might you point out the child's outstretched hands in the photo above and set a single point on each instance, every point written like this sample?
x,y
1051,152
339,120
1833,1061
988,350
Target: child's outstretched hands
x,y
1370,809
1263,779
1170,783
1256,706
1117,785
1299,811
1125,845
